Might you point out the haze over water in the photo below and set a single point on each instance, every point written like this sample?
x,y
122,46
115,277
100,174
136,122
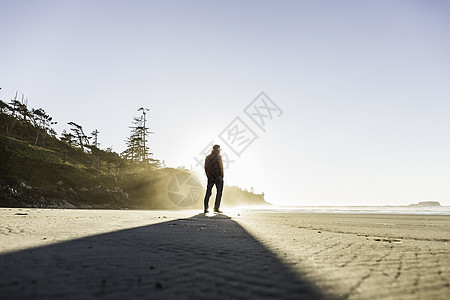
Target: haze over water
x,y
390,210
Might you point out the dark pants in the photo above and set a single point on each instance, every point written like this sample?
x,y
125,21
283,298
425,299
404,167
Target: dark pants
x,y
218,181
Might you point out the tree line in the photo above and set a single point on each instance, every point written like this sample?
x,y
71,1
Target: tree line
x,y
16,112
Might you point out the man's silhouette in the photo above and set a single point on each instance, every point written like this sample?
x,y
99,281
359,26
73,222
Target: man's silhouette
x,y
214,172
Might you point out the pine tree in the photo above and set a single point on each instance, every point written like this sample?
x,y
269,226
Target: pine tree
x,y
43,122
94,136
68,138
82,140
137,142
15,107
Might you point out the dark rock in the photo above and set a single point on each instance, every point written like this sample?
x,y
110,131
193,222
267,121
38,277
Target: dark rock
x,y
3,183
426,204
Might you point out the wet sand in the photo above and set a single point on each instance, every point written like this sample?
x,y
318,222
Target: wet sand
x,y
107,254
356,256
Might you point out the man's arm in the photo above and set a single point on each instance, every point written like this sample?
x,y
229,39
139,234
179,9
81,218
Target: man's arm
x,y
220,165
206,167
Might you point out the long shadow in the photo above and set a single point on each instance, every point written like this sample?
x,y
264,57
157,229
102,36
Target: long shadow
x,y
196,258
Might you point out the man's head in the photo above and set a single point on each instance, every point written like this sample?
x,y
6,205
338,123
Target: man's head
x,y
216,147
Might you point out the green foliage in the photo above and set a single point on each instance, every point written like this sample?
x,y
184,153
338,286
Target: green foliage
x,y
137,143
235,196
41,167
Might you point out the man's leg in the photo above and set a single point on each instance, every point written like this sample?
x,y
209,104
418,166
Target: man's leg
x,y
219,187
208,193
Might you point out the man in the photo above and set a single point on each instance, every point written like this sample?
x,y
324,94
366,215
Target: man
x,y
214,172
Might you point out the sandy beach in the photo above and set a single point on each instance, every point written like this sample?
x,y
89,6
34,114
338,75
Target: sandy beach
x,y
114,254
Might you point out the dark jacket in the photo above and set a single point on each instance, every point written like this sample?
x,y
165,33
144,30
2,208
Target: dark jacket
x,y
214,165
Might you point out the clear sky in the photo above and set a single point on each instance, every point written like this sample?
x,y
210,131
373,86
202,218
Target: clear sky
x,y
363,86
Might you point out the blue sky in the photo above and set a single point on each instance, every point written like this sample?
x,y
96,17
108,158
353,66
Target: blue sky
x,y
363,86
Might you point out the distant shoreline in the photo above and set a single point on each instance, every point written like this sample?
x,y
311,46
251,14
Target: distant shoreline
x,y
388,210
